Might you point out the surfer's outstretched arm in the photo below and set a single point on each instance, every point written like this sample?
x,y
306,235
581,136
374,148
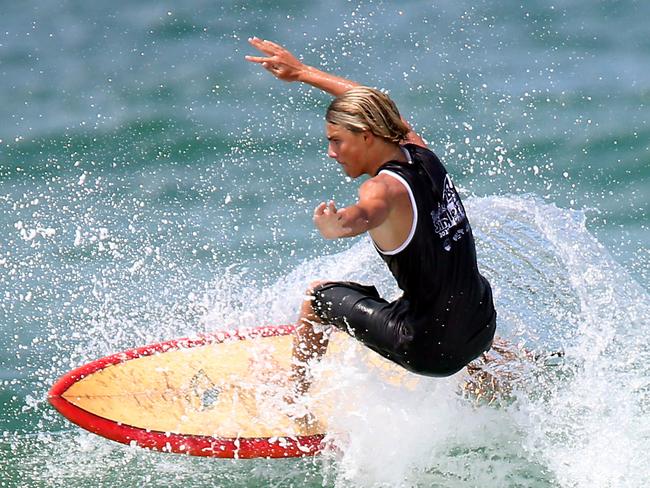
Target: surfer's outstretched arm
x,y
285,66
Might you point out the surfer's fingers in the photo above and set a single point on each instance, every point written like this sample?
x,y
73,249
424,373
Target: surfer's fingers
x,y
271,68
271,64
320,209
332,207
274,47
261,45
257,59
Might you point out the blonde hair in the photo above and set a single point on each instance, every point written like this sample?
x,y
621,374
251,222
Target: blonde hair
x,y
363,108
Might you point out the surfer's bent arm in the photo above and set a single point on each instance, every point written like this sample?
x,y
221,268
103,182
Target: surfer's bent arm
x,y
286,67
369,212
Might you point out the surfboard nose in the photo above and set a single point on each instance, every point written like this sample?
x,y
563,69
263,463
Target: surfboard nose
x,y
212,396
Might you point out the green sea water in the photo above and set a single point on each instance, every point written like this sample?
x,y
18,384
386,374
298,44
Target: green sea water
x,y
153,184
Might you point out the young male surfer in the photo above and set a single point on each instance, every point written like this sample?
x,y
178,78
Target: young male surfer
x,y
445,317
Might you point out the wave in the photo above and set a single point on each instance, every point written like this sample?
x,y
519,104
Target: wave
x,y
555,286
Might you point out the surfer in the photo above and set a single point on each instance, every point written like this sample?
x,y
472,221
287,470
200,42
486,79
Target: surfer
x,y
445,317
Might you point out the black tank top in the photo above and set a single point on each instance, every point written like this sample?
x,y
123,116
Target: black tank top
x,y
436,266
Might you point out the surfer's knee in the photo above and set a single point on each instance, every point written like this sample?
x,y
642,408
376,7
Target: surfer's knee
x,y
315,285
310,296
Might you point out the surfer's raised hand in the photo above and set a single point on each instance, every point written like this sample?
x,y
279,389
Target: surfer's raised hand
x,y
278,60
329,221
285,66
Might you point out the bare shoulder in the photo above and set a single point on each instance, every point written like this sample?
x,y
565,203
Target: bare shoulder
x,y
379,186
382,183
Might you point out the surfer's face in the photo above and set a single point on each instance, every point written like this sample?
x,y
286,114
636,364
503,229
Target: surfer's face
x,y
348,148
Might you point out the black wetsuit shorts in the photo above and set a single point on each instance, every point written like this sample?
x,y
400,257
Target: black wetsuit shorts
x,y
394,332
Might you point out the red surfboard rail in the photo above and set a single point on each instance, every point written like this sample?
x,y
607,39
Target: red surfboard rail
x,y
195,445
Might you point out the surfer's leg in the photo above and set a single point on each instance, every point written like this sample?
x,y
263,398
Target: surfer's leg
x,y
310,342
349,306
328,303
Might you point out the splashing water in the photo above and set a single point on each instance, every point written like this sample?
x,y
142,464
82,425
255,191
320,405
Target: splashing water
x,y
584,422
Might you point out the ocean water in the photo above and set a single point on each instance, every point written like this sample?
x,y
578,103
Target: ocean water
x,y
154,185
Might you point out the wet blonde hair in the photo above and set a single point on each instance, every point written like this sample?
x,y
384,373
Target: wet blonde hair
x,y
363,108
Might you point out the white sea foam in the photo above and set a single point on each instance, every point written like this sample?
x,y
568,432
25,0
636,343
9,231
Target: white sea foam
x,y
581,424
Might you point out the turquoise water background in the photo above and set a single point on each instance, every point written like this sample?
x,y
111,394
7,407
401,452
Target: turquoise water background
x,y
153,185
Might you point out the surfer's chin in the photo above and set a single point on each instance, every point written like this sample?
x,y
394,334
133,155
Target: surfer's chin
x,y
351,174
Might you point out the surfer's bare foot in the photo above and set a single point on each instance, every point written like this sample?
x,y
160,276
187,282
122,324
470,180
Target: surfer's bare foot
x,y
308,423
298,411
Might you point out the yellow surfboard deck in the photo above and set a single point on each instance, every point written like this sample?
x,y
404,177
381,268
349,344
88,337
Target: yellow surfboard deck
x,y
221,395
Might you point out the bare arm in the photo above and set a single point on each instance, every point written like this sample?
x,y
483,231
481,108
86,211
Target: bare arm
x,y
369,212
285,66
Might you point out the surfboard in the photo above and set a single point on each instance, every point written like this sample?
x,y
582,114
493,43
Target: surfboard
x,y
219,395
